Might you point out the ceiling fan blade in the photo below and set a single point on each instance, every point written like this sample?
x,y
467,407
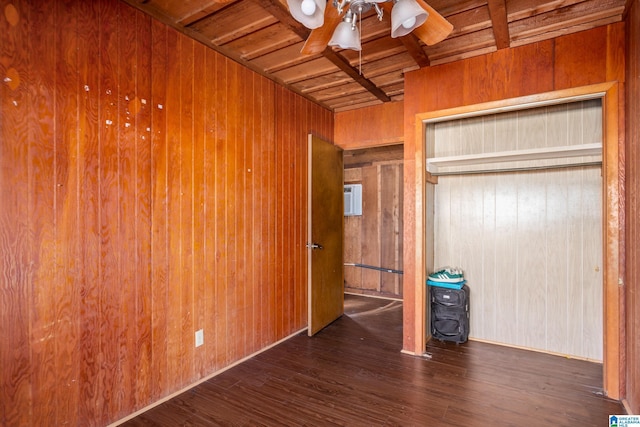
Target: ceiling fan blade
x,y
319,38
435,29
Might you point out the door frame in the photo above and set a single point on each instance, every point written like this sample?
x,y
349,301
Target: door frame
x,y
612,217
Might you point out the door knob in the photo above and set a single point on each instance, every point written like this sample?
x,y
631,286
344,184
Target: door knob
x,y
314,246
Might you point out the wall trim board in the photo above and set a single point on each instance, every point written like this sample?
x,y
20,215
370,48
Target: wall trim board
x,y
522,103
613,237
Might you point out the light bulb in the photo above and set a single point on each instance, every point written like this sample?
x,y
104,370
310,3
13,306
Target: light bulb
x,y
409,23
308,7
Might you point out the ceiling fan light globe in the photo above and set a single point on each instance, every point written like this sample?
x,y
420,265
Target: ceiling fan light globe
x,y
345,37
300,9
308,7
409,23
402,15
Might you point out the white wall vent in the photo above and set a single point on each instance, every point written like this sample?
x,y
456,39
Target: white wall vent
x,y
352,199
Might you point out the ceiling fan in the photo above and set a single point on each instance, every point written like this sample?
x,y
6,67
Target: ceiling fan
x,y
338,27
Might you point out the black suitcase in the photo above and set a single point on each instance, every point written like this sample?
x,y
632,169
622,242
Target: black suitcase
x,y
450,314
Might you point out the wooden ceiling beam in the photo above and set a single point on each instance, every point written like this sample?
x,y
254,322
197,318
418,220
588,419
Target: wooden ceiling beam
x,y
205,11
410,42
281,13
344,65
498,14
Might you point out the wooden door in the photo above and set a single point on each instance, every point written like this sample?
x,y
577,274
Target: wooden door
x,y
325,234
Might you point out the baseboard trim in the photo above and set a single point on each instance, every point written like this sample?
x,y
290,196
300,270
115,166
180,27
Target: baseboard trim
x,y
537,350
200,381
627,407
373,296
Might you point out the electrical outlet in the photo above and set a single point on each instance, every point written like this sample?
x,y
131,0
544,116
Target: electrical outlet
x,y
199,337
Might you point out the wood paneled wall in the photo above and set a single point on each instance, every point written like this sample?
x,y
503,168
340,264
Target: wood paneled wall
x,y
575,60
370,127
633,207
149,188
375,237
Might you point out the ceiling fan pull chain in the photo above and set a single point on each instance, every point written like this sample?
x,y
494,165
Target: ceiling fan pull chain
x,y
360,51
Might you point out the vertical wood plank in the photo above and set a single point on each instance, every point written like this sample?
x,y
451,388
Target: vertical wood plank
x,y
89,224
370,228
441,238
127,214
245,208
282,100
269,154
175,345
258,244
299,234
255,244
67,165
388,227
487,301
575,257
200,208
506,228
470,251
530,303
140,109
222,135
159,213
233,289
111,374
293,249
559,310
300,207
286,226
186,205
300,182
209,320
352,249
42,179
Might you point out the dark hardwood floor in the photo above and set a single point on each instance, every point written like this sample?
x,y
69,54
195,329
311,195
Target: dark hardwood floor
x,y
353,374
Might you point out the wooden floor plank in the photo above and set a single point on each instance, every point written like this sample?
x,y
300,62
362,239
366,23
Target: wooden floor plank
x,y
353,374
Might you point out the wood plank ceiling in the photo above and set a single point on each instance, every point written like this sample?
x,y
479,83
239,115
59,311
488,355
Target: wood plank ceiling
x,y
262,35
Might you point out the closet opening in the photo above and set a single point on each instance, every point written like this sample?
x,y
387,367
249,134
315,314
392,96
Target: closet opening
x,y
518,207
535,173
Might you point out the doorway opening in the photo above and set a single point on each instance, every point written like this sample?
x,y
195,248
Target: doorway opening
x,y
373,238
